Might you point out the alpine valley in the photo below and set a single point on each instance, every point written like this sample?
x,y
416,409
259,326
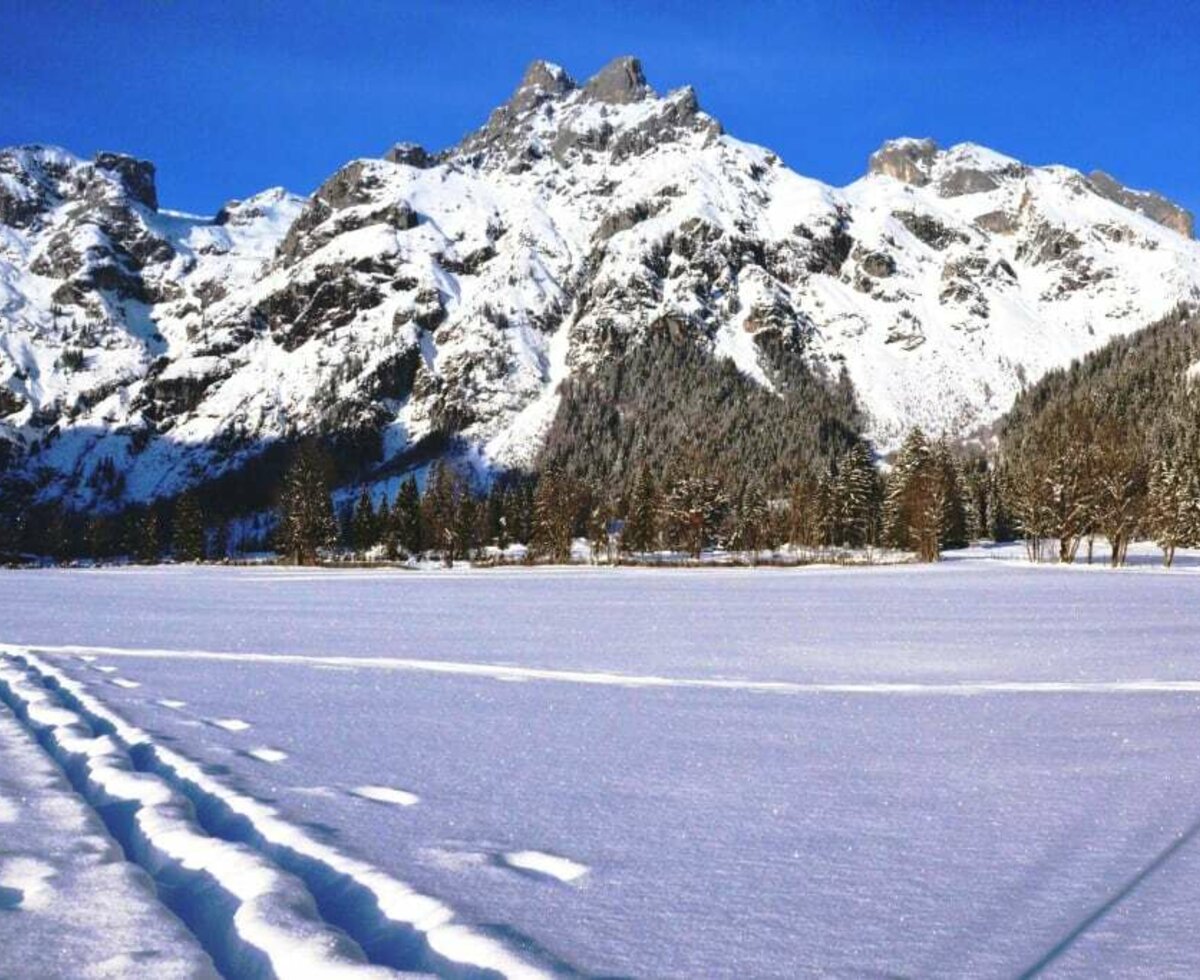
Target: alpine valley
x,y
596,275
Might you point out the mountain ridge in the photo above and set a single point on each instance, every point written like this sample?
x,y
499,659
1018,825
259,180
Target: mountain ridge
x,y
449,295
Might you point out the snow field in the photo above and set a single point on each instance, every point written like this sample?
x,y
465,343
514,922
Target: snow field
x,y
979,769
230,885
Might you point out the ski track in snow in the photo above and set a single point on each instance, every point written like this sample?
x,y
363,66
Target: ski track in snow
x,y
504,672
259,894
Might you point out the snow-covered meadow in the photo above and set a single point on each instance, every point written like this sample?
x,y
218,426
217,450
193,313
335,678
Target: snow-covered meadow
x,y
979,768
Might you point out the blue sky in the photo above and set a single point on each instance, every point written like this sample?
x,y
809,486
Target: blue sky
x,y
229,98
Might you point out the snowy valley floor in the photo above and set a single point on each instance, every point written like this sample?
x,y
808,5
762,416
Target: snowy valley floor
x,y
974,769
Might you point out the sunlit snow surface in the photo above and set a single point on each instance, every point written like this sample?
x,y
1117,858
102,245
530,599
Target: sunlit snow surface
x,y
975,769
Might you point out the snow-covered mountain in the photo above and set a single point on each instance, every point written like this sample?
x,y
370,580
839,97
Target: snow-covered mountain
x,y
420,295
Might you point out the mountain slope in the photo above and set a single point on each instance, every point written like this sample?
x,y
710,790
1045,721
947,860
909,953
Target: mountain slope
x,y
423,297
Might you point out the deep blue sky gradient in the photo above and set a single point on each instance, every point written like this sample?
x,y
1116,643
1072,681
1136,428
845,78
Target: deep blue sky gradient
x,y
229,98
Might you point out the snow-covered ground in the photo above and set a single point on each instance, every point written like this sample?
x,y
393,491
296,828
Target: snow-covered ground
x,y
980,768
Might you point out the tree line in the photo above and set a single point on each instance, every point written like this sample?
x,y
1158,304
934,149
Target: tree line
x,y
1108,447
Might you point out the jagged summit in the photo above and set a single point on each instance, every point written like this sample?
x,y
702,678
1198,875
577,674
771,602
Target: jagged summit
x,y
615,114
619,82
542,80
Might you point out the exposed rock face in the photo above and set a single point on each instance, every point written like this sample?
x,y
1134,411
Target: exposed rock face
x,y
908,161
410,154
136,176
425,297
619,82
1153,206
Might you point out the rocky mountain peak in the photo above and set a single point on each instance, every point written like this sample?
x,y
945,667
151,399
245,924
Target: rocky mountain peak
x,y
619,82
1153,205
907,160
542,80
136,176
965,168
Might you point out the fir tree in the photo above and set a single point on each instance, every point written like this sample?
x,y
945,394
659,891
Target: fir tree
x,y
749,529
148,537
694,508
188,542
854,496
640,531
557,502
307,521
439,511
364,533
598,523
915,506
406,518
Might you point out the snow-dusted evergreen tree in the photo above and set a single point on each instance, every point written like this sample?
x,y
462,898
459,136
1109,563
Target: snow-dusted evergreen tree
x,y
854,497
557,502
1173,504
188,542
307,522
915,507
600,515
749,528
694,507
640,533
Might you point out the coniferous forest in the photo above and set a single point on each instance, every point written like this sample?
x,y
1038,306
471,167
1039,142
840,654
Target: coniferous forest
x,y
670,451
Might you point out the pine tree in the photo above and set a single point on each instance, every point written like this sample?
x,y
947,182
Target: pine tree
x,y
640,531
466,524
364,532
387,530
750,518
694,508
439,511
406,518
1173,503
148,537
557,502
948,488
599,520
188,542
915,506
854,498
307,521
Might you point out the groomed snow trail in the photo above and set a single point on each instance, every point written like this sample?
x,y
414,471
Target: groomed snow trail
x,y
262,897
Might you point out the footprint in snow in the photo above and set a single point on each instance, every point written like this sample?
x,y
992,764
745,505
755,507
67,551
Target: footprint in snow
x,y
265,754
386,794
25,883
229,724
541,864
